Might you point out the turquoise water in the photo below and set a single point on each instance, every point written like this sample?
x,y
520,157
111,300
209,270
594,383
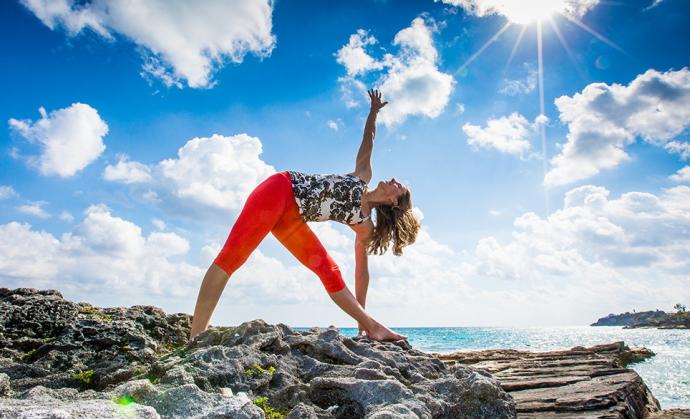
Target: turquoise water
x,y
667,374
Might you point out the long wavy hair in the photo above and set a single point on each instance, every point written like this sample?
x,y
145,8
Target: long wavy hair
x,y
396,225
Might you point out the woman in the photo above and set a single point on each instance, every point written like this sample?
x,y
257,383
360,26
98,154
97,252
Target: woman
x,y
284,202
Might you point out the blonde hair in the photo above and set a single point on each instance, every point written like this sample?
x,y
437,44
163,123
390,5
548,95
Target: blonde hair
x,y
395,224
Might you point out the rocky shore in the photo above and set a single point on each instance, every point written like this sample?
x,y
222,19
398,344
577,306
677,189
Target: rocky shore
x,y
61,359
583,382
65,359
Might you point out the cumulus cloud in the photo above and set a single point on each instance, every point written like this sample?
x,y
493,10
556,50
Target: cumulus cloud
x,y
7,191
66,216
682,175
126,171
678,147
210,175
603,119
35,209
333,125
181,40
638,235
216,171
575,8
411,80
515,87
78,259
354,56
70,138
104,252
508,134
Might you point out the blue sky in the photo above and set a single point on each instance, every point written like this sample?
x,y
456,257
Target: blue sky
x,y
108,197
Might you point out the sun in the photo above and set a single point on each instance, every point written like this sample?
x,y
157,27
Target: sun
x,y
524,12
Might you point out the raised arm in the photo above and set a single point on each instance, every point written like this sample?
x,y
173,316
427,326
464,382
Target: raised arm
x,y
363,163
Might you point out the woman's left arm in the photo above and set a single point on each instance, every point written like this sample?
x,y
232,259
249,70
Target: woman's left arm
x,y
363,234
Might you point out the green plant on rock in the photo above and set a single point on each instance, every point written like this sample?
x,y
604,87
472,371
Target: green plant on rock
x,y
28,355
49,339
139,371
90,312
153,378
257,369
269,412
83,376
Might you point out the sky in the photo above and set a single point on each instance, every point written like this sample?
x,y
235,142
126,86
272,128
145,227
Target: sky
x,y
545,144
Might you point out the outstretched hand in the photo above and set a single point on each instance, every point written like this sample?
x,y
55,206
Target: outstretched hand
x,y
375,97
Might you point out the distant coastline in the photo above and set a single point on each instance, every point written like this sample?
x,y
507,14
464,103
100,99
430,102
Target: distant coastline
x,y
649,319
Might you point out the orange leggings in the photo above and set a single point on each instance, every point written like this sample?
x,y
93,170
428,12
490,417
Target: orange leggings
x,y
271,207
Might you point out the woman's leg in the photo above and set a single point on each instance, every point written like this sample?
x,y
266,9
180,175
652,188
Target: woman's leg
x,y
262,210
301,241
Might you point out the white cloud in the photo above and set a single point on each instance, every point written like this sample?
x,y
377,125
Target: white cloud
x,y
153,265
216,171
35,209
682,175
332,125
576,8
181,40
70,138
76,260
66,216
354,57
7,191
508,134
603,119
126,171
678,147
159,224
514,87
411,81
636,236
209,176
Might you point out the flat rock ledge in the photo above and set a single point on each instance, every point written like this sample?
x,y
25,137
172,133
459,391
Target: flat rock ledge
x,y
580,382
60,359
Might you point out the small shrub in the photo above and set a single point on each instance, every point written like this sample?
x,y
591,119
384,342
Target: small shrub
x,y
28,355
83,376
269,411
257,369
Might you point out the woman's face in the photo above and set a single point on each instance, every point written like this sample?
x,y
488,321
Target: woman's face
x,y
392,189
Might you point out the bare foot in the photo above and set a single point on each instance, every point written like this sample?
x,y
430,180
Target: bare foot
x,y
381,332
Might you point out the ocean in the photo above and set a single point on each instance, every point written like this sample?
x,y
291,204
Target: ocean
x,y
667,373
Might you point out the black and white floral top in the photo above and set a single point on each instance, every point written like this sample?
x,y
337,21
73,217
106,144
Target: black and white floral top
x,y
329,197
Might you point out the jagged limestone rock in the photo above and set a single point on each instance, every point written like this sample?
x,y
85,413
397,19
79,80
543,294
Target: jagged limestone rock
x,y
97,361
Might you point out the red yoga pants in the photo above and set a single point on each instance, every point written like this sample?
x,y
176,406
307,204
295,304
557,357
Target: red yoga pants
x,y
271,207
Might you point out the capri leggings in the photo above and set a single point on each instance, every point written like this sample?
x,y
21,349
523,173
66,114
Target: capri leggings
x,y
271,207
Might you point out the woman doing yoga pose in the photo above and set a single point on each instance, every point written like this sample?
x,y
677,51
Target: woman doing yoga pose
x,y
284,202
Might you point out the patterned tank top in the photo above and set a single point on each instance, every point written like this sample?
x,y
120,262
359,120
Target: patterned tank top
x,y
329,197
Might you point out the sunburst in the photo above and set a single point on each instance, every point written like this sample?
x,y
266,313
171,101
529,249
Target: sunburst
x,y
525,13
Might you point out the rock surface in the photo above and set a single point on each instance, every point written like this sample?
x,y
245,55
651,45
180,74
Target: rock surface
x,y
582,382
61,359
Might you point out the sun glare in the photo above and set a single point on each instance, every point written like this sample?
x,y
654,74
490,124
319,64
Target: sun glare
x,y
524,12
